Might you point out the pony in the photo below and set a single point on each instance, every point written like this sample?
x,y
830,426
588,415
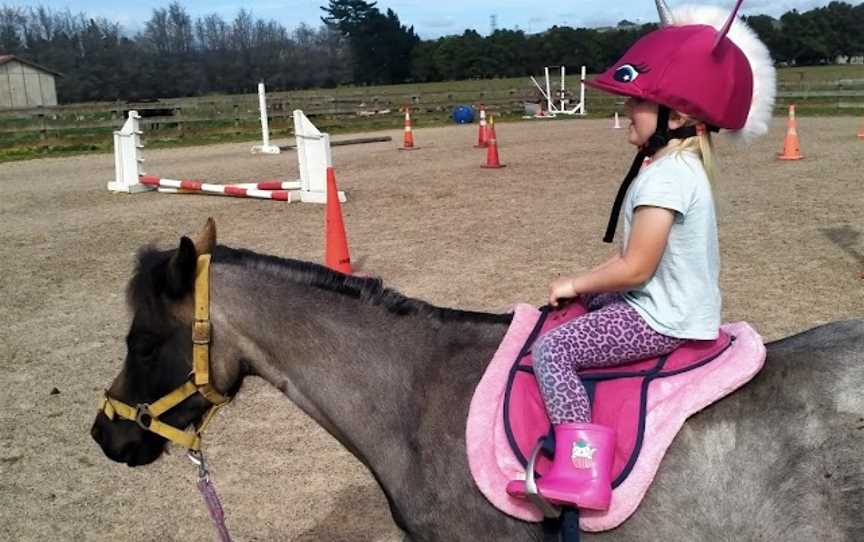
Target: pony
x,y
391,378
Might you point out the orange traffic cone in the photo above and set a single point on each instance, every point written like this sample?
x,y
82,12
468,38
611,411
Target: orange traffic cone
x,y
492,161
791,145
408,142
861,131
336,257
617,125
483,132
490,129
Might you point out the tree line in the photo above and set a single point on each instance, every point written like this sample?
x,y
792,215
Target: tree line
x,y
174,55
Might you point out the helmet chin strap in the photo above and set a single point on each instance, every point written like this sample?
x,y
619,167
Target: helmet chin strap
x,y
659,139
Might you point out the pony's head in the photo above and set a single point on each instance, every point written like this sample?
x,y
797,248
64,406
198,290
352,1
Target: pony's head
x,y
158,352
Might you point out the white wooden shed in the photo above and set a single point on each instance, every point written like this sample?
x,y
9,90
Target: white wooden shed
x,y
25,84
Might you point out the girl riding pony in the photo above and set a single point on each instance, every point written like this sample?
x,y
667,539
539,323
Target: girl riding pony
x,y
701,72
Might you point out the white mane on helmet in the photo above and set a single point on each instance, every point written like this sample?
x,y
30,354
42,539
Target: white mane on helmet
x,y
764,75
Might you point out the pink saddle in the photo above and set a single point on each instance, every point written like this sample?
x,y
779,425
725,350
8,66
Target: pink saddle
x,y
646,402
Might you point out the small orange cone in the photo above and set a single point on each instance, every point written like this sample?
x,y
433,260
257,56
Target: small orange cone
x,y
483,132
791,145
336,256
408,142
492,161
861,131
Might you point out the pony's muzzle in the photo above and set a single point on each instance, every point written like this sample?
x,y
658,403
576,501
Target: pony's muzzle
x,y
114,446
124,442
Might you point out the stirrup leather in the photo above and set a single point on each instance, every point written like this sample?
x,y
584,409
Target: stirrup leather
x,y
531,491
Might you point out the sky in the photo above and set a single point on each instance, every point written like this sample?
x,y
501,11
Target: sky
x,y
430,18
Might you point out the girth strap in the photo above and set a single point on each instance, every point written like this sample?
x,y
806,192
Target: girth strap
x,y
564,528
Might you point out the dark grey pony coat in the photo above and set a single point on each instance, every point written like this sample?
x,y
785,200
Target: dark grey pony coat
x,y
391,378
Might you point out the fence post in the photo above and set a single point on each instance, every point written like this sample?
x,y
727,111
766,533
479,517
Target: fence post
x,y
176,113
43,128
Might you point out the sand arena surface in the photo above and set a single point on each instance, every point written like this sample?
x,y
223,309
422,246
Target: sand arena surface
x,y
431,223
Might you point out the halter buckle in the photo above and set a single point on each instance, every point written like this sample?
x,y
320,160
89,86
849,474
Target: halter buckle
x,y
142,410
201,332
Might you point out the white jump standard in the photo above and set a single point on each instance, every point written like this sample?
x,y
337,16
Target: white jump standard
x,y
313,160
127,157
265,147
563,102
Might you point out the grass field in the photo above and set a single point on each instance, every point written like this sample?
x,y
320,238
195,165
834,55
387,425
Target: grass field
x,y
828,77
816,90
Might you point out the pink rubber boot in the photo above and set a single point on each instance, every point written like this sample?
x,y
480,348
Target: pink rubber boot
x,y
581,469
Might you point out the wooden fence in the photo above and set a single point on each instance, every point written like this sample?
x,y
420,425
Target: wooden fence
x,y
239,113
240,110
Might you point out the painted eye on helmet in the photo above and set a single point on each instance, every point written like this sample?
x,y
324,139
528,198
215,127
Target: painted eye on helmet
x,y
628,73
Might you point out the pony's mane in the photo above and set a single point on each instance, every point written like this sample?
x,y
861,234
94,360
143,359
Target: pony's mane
x,y
367,290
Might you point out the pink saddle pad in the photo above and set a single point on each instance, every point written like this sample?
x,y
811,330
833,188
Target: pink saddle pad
x,y
646,402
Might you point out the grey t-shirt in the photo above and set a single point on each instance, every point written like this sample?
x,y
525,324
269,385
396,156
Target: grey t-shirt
x,y
682,298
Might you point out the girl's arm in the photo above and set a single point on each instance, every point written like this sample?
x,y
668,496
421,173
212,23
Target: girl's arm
x,y
648,236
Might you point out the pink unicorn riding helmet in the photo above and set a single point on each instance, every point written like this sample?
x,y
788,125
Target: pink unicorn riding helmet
x,y
702,62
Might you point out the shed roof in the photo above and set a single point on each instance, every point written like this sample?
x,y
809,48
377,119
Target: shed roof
x,y
9,58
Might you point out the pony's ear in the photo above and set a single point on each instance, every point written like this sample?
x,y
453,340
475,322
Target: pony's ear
x,y
180,277
205,242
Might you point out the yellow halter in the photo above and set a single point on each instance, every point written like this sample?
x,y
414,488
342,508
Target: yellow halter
x,y
147,415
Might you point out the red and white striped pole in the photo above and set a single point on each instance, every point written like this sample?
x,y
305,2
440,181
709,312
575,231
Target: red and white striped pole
x,y
271,185
181,186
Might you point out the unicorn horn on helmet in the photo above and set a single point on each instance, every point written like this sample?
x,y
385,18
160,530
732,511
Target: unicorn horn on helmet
x,y
666,17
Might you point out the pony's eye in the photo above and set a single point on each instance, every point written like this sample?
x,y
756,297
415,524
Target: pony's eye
x,y
626,74
144,352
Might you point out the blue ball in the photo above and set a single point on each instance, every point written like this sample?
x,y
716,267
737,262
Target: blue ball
x,y
463,114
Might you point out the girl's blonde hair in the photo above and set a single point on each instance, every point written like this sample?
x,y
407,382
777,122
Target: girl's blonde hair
x,y
701,145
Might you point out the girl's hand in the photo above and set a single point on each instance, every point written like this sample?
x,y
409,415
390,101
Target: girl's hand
x,y
561,288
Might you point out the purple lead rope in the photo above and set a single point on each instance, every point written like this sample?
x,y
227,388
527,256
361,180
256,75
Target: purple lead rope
x,y
214,507
211,499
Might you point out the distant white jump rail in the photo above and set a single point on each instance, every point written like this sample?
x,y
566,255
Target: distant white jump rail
x,y
313,160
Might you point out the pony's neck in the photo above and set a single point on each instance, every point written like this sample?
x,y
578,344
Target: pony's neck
x,y
370,377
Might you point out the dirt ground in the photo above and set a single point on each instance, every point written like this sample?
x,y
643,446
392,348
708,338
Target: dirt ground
x,y
430,222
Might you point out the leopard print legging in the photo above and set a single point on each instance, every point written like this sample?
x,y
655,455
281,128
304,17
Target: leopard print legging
x,y
611,333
